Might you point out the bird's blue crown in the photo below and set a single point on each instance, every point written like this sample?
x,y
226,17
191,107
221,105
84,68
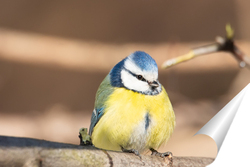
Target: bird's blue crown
x,y
143,60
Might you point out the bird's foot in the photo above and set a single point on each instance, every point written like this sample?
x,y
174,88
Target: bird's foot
x,y
136,152
167,156
162,155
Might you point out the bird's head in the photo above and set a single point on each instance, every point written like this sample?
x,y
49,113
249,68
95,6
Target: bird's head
x,y
137,72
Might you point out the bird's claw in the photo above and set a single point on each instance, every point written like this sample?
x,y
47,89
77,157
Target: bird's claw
x,y
162,155
136,152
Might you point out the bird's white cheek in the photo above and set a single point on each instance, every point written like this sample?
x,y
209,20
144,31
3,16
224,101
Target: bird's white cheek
x,y
133,83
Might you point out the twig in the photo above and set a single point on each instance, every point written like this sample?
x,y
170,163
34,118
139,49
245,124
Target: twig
x,y
222,44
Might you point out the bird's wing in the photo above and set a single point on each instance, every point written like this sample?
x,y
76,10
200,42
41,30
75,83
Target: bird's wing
x,y
96,115
103,92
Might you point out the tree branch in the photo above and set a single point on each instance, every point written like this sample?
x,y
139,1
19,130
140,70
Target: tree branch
x,y
221,44
15,151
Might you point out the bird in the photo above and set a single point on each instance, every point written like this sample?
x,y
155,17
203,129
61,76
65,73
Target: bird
x,y
132,112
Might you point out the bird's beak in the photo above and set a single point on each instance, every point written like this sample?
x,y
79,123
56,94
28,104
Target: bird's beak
x,y
153,84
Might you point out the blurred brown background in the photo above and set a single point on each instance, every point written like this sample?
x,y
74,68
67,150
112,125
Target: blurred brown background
x,y
54,54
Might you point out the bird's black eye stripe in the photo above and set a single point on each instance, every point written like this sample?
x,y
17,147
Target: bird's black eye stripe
x,y
139,77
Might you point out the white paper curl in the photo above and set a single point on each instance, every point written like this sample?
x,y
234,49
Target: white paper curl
x,y
230,129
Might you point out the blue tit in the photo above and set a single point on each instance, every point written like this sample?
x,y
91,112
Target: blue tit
x,y
132,111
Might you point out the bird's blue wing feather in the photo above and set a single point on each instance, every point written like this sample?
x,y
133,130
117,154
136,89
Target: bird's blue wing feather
x,y
96,115
103,92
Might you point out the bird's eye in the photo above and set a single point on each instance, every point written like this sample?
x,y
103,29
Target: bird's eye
x,y
139,77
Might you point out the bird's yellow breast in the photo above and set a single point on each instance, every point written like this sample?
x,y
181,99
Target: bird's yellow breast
x,y
124,122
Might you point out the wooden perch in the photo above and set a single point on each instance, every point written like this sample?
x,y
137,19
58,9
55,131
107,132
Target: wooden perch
x,y
15,151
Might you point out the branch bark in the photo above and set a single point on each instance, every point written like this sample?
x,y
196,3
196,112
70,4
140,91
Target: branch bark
x,y
15,151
